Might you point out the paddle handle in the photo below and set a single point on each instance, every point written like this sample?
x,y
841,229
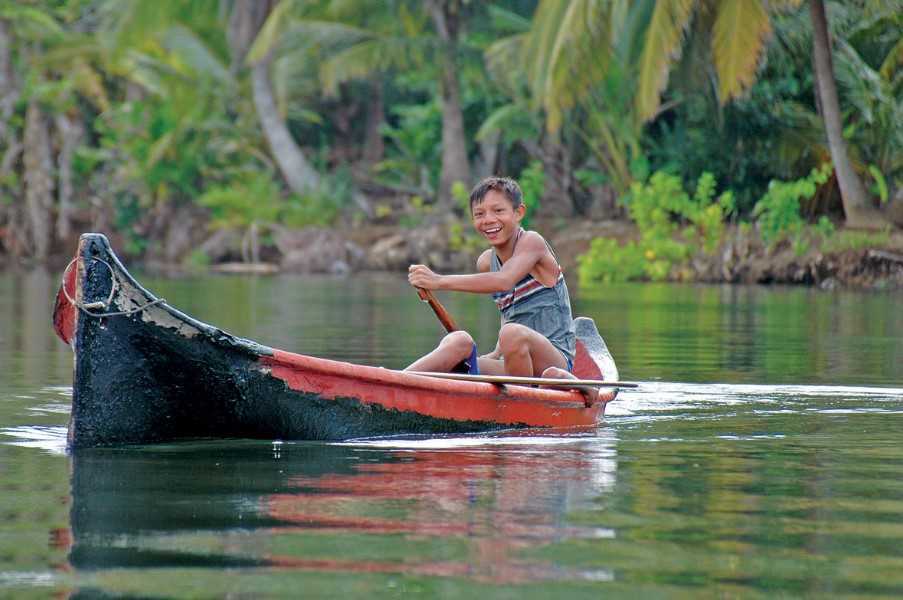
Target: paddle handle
x,y
446,319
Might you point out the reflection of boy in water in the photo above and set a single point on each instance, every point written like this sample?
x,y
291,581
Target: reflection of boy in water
x,y
525,280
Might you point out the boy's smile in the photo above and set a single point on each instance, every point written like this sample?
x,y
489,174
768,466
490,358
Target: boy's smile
x,y
496,219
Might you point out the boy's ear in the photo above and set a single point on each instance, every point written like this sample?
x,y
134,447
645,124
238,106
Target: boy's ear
x,y
521,210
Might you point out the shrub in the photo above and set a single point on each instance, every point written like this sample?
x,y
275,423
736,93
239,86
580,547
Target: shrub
x,y
778,211
532,182
855,240
672,225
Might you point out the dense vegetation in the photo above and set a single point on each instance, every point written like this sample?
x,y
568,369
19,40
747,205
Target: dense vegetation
x,y
127,115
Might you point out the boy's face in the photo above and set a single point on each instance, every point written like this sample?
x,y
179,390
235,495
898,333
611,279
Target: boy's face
x,y
495,219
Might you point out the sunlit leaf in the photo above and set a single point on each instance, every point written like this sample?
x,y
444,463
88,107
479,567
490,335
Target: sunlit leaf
x,y
192,50
738,43
268,36
661,48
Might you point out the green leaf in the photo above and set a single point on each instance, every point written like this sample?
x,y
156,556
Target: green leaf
x,y
268,36
738,42
661,49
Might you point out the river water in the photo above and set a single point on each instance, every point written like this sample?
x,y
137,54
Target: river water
x,y
761,457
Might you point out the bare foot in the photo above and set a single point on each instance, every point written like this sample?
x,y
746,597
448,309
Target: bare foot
x,y
590,394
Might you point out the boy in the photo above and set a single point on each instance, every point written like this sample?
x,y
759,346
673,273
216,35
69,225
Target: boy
x,y
522,274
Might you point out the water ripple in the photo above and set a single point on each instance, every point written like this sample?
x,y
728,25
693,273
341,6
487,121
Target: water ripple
x,y
50,439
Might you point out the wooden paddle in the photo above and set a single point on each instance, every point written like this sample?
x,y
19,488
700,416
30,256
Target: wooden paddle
x,y
540,381
446,319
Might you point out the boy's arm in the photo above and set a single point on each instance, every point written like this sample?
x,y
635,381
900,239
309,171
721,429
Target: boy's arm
x,y
529,251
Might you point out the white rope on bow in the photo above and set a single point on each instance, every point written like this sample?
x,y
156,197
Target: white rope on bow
x,y
89,307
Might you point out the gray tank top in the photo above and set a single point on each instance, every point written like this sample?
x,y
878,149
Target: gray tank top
x,y
546,310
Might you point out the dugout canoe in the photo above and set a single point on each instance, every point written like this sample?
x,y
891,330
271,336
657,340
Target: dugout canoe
x,y
146,373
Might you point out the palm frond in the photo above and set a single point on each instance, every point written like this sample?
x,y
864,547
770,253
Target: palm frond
x,y
506,21
893,61
364,58
860,84
567,51
504,61
30,22
539,43
661,48
514,121
305,33
269,35
741,30
192,51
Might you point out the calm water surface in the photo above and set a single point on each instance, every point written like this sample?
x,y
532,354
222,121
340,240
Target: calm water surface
x,y
761,457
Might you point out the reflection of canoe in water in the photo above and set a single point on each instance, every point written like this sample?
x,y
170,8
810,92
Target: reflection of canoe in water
x,y
145,372
480,503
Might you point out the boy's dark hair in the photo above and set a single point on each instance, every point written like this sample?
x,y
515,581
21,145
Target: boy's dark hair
x,y
503,185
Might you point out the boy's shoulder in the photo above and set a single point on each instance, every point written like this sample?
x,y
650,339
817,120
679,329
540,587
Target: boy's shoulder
x,y
484,261
532,240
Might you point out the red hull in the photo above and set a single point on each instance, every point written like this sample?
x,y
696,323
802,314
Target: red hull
x,y
439,398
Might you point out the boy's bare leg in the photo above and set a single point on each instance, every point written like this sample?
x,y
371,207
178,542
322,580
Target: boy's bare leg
x,y
590,394
527,353
453,348
491,366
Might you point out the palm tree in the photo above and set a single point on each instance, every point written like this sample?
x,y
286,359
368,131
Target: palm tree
x,y
856,207
568,60
249,20
651,34
448,20
373,37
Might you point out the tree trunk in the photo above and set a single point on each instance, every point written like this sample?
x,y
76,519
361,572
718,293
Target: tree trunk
x,y
8,141
245,21
556,197
489,155
859,212
38,180
8,89
297,171
70,131
446,17
374,146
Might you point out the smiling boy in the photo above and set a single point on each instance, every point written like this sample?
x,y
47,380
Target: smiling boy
x,y
522,274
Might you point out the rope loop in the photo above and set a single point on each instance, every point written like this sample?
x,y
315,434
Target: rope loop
x,y
89,307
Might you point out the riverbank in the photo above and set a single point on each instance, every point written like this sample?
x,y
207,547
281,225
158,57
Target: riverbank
x,y
845,260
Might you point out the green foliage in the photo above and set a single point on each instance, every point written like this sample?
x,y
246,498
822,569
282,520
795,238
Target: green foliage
x,y
252,199
879,188
672,224
778,212
855,240
197,260
169,120
532,181
415,157
461,197
462,238
322,207
417,212
607,261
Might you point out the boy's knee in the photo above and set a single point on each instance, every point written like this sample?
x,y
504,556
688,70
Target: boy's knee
x,y
513,338
459,341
